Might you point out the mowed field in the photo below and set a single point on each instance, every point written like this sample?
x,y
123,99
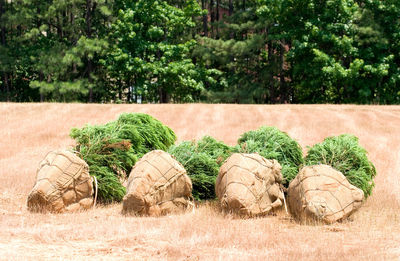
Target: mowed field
x,y
29,131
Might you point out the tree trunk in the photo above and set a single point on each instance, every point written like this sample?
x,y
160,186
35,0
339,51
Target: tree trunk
x,y
59,29
89,69
212,15
232,34
3,42
41,75
271,89
89,35
3,29
129,94
41,78
6,86
284,95
72,17
88,18
164,96
119,84
72,35
205,18
217,18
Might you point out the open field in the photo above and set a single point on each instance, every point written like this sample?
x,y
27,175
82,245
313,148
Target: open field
x,y
29,131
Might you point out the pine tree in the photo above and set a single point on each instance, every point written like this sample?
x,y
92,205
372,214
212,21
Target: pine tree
x,y
151,49
242,47
74,37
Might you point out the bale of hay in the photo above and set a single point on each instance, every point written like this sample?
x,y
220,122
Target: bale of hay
x,y
202,160
113,148
249,184
62,184
321,193
271,143
158,185
345,154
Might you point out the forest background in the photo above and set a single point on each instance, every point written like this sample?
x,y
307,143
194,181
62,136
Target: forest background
x,y
215,51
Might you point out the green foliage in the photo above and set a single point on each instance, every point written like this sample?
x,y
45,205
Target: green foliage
x,y
113,148
323,49
238,50
55,46
378,29
264,51
271,143
202,160
339,50
345,154
151,51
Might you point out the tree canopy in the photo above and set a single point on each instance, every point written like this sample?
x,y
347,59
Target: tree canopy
x,y
249,51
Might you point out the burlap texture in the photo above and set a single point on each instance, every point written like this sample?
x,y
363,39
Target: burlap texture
x,y
62,184
249,185
158,185
322,193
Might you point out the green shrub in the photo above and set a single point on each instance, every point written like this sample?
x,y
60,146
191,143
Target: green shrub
x,y
345,154
113,148
202,161
271,143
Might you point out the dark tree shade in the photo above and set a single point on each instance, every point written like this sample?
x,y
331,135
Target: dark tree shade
x,y
265,51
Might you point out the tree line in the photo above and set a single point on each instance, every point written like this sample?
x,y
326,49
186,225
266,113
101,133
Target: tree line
x,y
230,51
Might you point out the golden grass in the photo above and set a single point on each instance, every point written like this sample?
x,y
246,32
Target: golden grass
x,y
29,131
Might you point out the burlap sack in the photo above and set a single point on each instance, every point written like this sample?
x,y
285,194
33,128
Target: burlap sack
x,y
322,193
62,184
249,185
158,185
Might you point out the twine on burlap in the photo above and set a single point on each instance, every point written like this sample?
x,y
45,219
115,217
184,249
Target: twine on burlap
x,y
323,208
60,177
159,191
265,183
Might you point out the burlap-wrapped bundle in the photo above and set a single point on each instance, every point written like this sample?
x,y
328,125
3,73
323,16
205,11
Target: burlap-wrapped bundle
x,y
249,185
322,193
158,185
62,184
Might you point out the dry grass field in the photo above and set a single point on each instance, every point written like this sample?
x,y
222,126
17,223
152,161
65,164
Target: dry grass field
x,y
29,131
